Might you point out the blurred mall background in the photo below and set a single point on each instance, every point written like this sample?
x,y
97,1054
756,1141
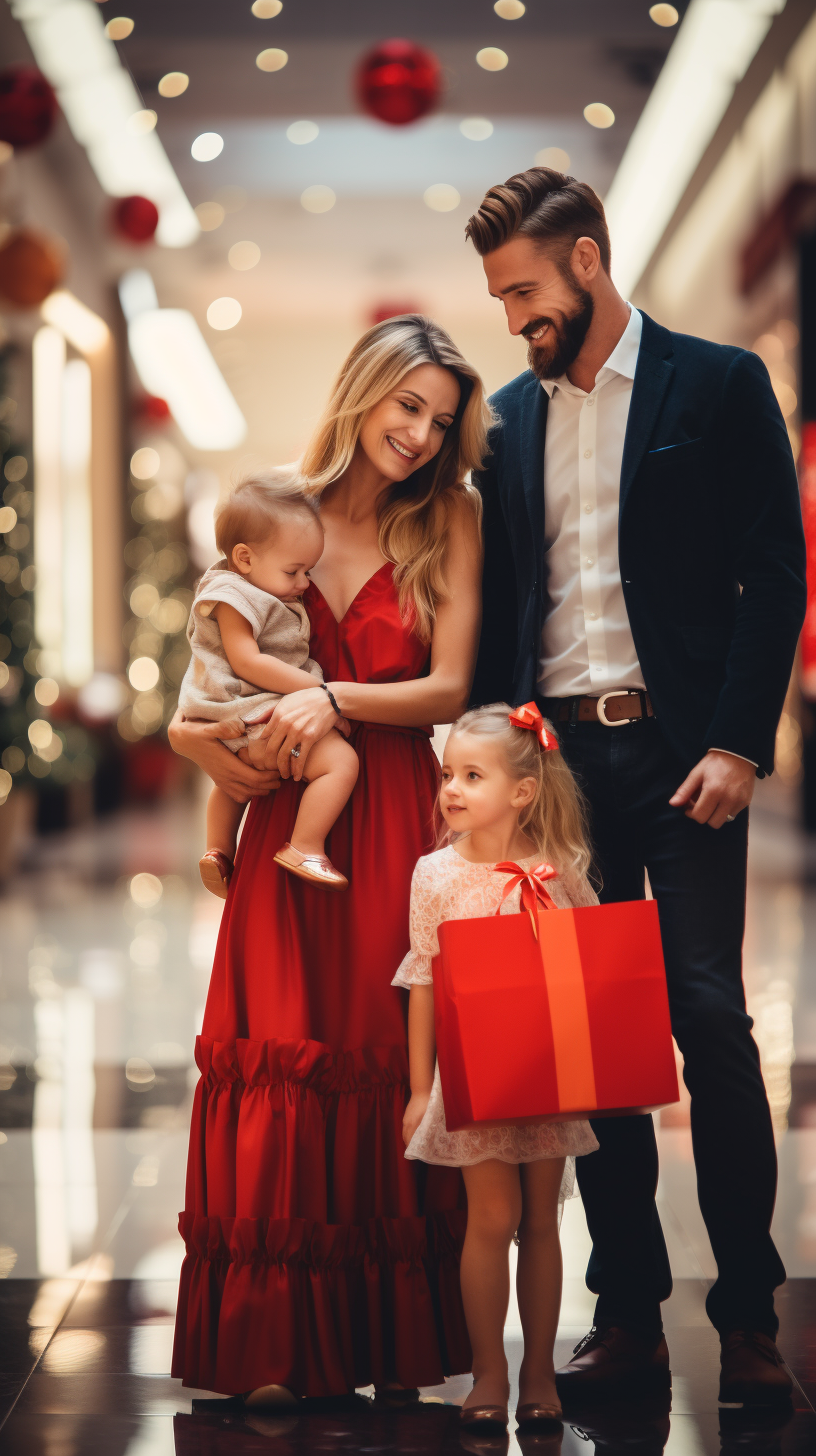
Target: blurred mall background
x,y
202,204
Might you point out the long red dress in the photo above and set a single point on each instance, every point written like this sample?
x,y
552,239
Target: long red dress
x,y
317,1256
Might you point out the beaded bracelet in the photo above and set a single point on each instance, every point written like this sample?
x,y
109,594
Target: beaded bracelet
x,y
332,699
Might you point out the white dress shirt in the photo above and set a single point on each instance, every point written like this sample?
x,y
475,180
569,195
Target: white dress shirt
x,y
587,644
586,641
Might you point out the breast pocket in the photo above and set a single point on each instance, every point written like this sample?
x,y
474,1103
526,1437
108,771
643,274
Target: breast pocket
x,y
678,493
669,452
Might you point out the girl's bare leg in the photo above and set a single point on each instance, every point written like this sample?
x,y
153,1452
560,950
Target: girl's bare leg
x,y
538,1281
494,1212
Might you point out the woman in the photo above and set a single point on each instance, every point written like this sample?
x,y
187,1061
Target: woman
x,y
318,1258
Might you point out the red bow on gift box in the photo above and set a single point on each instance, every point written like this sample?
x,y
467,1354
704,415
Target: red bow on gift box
x,y
528,716
533,887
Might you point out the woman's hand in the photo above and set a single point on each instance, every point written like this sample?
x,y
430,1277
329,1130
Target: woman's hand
x,y
301,718
201,742
414,1113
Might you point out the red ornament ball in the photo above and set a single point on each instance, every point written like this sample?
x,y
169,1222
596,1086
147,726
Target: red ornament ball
x,y
28,106
388,310
152,409
135,219
398,82
32,264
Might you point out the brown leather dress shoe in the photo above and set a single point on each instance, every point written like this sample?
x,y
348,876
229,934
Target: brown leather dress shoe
x,y
752,1370
613,1358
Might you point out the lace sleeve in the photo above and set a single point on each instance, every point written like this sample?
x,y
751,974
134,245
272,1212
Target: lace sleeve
x,y
416,969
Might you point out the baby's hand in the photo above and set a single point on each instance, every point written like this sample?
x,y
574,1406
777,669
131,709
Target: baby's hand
x,y
343,726
414,1113
230,728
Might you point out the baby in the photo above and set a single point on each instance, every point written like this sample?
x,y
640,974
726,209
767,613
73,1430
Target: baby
x,y
249,634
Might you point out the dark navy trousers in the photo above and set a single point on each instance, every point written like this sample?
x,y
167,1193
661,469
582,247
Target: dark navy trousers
x,y
698,878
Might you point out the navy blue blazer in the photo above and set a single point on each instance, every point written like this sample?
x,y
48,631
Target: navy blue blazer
x,y
710,540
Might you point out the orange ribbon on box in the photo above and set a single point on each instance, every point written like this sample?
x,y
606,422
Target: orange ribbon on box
x,y
564,980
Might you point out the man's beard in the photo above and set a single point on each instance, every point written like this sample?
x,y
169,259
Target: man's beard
x,y
565,341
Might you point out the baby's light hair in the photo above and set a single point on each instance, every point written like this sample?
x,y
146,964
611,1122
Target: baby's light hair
x,y
556,819
257,506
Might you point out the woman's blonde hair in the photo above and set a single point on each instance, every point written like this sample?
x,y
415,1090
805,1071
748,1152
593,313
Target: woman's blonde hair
x,y
414,513
556,818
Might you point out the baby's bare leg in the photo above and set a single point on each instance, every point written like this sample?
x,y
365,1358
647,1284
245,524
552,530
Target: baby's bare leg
x,y
223,822
331,769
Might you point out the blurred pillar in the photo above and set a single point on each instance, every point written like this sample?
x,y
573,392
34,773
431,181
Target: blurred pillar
x,y
807,475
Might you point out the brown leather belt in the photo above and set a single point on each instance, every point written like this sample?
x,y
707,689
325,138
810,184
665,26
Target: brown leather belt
x,y
612,709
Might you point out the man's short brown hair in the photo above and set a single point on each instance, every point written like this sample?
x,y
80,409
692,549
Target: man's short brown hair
x,y
544,205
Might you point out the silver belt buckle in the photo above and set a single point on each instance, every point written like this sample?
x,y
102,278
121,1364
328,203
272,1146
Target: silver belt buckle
x,y
607,722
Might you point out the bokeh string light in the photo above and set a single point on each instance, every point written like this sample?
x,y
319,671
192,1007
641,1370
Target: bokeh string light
x,y
157,590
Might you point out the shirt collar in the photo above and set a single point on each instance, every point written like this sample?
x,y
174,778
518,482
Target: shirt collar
x,y
622,360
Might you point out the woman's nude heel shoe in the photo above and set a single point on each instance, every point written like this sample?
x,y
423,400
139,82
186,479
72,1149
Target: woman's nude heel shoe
x,y
317,868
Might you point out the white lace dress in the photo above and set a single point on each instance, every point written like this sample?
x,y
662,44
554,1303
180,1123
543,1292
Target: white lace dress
x,y
447,887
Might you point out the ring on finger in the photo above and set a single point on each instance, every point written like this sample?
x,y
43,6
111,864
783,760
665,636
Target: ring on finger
x,y
295,752
729,818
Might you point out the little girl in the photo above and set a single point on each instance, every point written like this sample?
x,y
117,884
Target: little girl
x,y
249,634
506,795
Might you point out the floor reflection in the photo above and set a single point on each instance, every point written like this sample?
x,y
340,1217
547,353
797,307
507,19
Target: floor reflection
x,y
106,942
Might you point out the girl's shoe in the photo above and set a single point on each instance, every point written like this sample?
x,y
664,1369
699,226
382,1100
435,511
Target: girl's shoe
x,y
215,869
317,868
541,1416
491,1419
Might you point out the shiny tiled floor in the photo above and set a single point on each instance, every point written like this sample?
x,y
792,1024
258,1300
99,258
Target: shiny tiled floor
x,y
100,997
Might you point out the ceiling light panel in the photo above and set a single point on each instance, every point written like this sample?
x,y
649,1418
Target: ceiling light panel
x,y
714,47
99,99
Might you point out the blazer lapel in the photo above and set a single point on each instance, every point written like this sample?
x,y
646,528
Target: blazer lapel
x,y
533,430
652,378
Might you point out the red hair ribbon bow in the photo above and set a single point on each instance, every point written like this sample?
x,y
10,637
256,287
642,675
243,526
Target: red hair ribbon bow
x,y
533,887
529,717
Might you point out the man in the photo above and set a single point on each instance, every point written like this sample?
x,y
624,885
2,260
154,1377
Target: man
x,y
644,581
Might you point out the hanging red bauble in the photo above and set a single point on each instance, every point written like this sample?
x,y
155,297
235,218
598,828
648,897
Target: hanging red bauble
x,y
382,311
398,82
32,264
28,106
135,219
152,409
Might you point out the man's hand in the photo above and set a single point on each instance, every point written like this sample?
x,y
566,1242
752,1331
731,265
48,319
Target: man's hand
x,y
721,785
414,1113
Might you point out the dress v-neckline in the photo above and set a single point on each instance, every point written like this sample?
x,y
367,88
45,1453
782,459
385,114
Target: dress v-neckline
x,y
340,620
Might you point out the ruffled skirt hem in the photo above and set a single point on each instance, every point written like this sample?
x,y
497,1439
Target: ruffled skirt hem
x,y
322,1309
288,1296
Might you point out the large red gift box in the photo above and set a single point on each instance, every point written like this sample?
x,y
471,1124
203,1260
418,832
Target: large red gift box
x,y
571,1022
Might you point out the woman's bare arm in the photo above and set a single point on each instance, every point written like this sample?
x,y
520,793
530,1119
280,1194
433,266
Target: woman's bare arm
x,y
200,743
304,717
